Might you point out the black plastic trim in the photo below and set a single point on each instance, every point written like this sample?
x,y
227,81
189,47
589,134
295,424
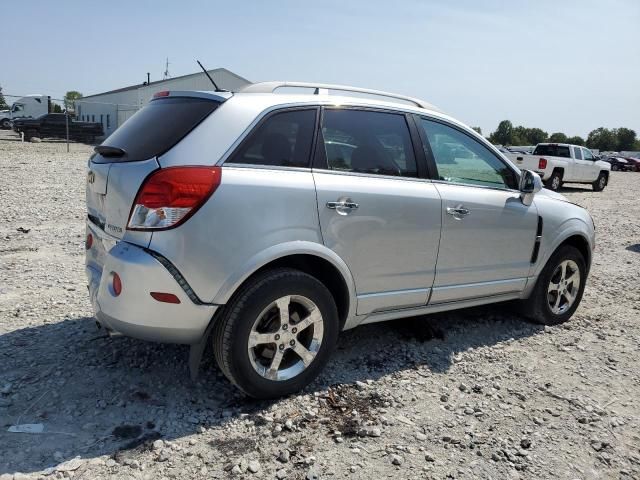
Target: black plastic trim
x,y
175,273
96,221
536,245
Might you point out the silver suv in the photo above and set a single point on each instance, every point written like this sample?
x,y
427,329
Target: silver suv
x,y
273,218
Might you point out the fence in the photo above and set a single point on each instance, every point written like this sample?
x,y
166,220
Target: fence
x,y
109,115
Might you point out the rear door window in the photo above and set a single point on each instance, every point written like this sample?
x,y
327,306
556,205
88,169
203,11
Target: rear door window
x,y
553,151
283,140
157,127
367,142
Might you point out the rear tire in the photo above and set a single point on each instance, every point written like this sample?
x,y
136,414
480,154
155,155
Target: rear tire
x,y
258,329
543,306
6,124
555,181
600,182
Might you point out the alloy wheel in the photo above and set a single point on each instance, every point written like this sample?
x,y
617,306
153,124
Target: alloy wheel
x,y
285,338
563,287
555,183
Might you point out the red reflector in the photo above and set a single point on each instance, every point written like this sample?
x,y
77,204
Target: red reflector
x,y
542,163
164,93
88,242
165,297
116,284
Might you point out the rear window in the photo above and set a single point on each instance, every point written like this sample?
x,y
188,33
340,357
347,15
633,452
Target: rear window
x,y
553,151
157,127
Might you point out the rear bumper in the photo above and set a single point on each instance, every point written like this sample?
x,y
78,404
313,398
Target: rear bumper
x,y
134,312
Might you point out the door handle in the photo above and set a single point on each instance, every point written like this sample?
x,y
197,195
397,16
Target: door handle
x,y
458,211
335,205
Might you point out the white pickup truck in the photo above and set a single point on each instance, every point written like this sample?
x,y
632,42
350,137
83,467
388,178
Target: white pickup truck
x,y
557,163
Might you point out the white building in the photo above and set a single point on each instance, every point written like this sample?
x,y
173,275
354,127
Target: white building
x,y
114,107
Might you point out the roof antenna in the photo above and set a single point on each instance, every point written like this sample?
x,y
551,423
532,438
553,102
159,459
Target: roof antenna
x,y
209,77
166,73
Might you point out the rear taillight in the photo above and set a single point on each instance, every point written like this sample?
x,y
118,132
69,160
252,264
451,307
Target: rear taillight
x,y
542,163
171,195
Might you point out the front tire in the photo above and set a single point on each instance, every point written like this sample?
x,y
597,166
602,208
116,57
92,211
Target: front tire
x,y
559,288
277,333
6,124
600,182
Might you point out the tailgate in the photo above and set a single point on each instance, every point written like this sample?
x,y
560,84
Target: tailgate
x,y
527,162
111,190
125,159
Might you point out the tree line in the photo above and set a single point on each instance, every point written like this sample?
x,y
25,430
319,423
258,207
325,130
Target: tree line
x,y
603,139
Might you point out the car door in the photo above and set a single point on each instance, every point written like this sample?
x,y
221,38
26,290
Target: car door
x,y
582,168
375,212
488,234
592,170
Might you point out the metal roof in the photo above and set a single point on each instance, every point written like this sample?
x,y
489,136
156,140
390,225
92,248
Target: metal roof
x,y
140,85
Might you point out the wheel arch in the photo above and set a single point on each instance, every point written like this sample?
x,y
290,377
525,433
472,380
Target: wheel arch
x,y
309,257
575,234
581,244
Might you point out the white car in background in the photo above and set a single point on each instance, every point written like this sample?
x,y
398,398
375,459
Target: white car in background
x,y
557,163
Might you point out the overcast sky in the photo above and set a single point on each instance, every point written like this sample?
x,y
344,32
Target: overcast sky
x,y
563,65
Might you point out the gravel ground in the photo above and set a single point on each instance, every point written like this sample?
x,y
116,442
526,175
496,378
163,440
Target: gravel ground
x,y
473,394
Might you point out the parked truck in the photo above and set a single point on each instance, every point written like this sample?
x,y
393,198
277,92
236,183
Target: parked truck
x,y
54,125
557,163
31,106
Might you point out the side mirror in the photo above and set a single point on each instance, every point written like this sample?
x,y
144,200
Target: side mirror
x,y
530,184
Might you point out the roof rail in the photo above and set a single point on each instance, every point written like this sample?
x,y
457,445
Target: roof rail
x,y
323,88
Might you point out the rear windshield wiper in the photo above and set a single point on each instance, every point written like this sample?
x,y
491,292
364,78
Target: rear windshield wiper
x,y
107,151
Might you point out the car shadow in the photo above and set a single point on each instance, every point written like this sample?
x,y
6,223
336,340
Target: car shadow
x,y
574,188
98,395
633,248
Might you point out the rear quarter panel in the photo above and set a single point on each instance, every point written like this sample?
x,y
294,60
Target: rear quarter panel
x,y
252,210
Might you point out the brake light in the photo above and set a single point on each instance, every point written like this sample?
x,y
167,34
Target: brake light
x,y
164,93
542,163
168,197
